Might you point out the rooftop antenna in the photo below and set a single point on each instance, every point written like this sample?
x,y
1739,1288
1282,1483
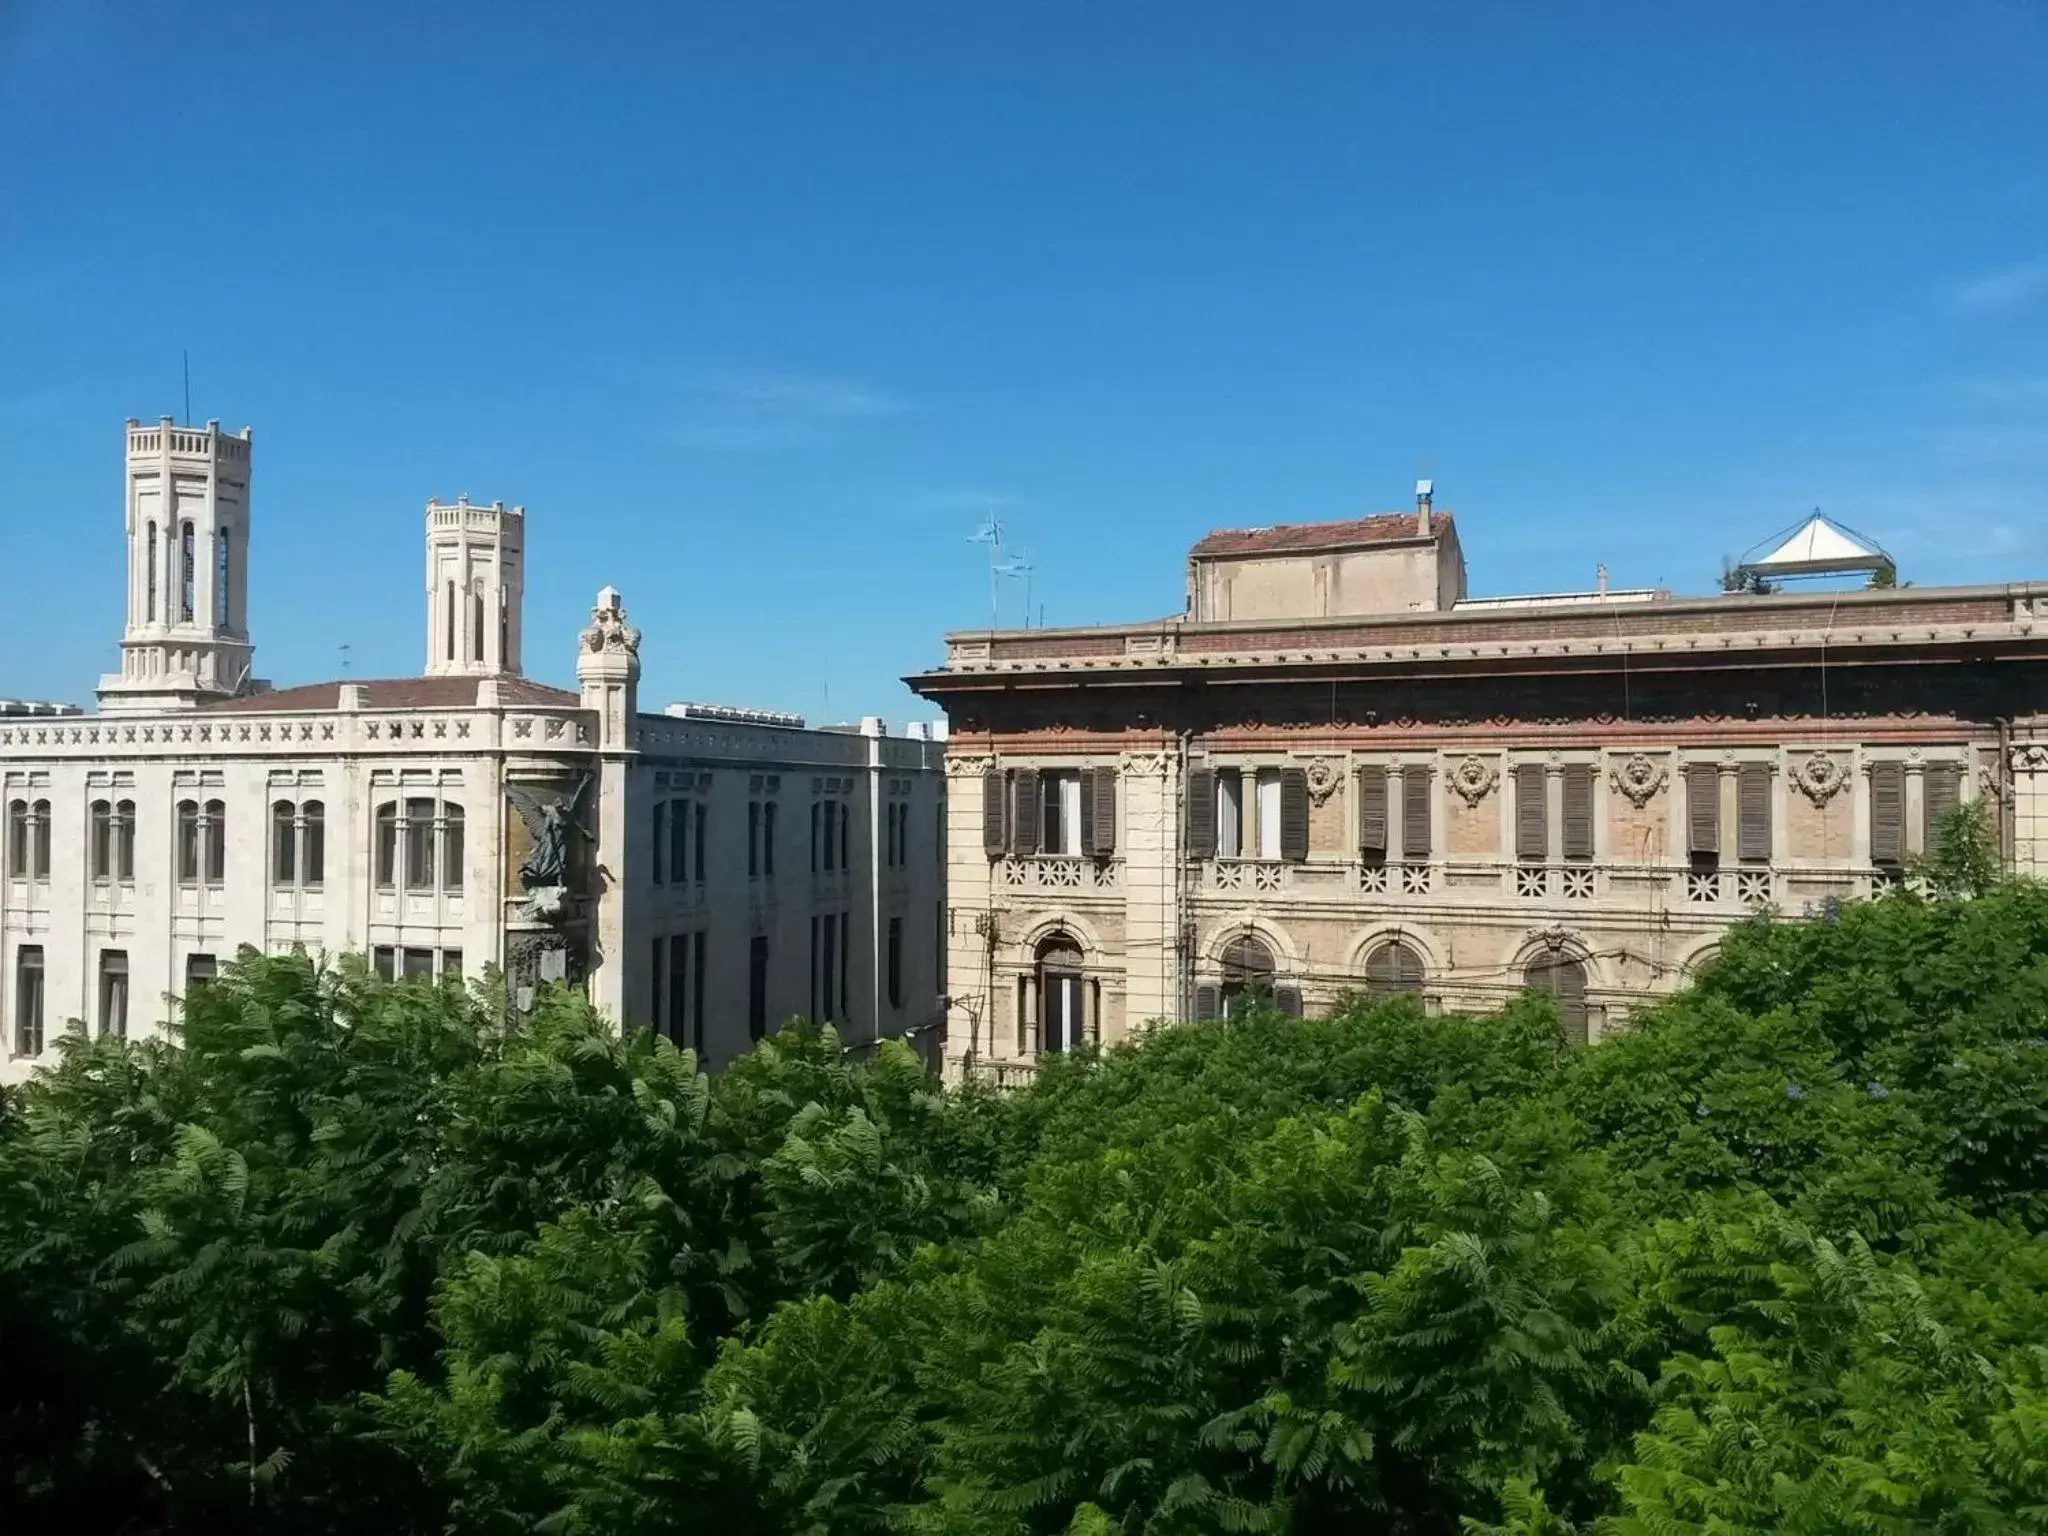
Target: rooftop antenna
x,y
991,534
1020,565
344,657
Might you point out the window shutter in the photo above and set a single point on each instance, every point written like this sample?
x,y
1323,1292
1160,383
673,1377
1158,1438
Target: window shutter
x,y
1532,813
1293,815
1382,968
1414,814
1208,1003
1941,791
1100,792
1703,809
1578,811
1887,813
1024,812
1201,815
1085,843
1288,1001
1753,813
994,828
1372,813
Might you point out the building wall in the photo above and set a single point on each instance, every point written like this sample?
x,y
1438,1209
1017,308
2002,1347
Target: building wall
x,y
1421,576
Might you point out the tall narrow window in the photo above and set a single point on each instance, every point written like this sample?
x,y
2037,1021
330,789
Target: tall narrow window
x,y
1229,813
660,849
100,841
697,993
1941,790
1703,814
186,573
1753,813
39,840
215,828
845,963
768,841
757,986
385,862
817,966
448,625
476,619
151,578
703,811
124,840
114,993
831,827
1532,813
188,842
678,842
1578,811
657,963
677,1025
419,845
1887,814
753,839
846,834
831,964
451,848
17,839
1247,976
895,962
313,847
221,539
284,843
28,1000
1269,813
1061,1014
1565,980
817,810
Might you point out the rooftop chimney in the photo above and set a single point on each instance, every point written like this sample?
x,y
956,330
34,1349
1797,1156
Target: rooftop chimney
x,y
1424,491
1600,576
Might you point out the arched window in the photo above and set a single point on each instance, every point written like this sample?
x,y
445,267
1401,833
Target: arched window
x,y
39,840
419,845
1564,979
17,839
448,622
312,843
451,847
1062,1010
476,619
221,539
100,841
188,842
1247,975
151,576
124,840
215,827
186,573
386,859
1393,969
284,843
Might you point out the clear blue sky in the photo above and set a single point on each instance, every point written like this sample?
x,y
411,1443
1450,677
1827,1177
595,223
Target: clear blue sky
x,y
757,306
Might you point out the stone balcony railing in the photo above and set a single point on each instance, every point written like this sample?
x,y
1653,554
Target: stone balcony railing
x,y
1491,882
1059,872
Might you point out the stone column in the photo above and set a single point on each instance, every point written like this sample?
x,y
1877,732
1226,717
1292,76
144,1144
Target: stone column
x,y
608,678
1916,806
1150,785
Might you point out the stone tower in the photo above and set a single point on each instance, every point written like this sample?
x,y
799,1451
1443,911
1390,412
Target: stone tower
x,y
476,584
186,640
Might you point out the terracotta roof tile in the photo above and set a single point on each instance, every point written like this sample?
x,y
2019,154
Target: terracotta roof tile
x,y
1295,538
400,693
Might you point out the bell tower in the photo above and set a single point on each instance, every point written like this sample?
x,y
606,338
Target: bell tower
x,y
476,584
186,639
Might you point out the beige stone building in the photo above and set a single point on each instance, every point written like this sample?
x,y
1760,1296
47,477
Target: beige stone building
x,y
1336,772
708,872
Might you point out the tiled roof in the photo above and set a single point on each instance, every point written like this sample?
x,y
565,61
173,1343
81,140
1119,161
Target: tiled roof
x,y
400,693
1295,538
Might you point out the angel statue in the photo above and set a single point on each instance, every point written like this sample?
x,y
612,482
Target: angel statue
x,y
549,821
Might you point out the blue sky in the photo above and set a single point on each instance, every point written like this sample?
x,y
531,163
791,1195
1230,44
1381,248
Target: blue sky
x,y
759,307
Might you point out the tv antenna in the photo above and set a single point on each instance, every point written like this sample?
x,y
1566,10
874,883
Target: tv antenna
x,y
991,534
1019,565
344,657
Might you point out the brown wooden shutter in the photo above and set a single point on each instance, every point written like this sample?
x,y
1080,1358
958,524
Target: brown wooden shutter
x,y
1208,1002
1578,810
1086,842
1753,813
1414,814
1532,813
995,828
1201,813
1887,813
1703,810
1293,814
1372,813
1100,793
1024,812
1940,792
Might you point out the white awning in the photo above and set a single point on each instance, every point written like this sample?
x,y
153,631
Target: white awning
x,y
1819,547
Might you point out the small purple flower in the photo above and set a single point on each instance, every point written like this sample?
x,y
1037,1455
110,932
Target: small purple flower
x,y
1701,1110
1794,1091
1877,1090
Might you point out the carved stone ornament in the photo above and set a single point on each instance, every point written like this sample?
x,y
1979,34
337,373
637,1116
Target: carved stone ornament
x,y
608,629
1154,764
2030,758
968,765
1323,778
1639,778
1473,779
1820,777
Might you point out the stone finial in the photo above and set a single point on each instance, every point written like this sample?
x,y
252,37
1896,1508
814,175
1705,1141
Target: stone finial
x,y
608,629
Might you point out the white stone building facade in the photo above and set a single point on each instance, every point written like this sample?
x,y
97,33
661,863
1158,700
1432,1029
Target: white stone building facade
x,y
708,873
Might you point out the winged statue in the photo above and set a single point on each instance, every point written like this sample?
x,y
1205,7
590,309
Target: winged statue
x,y
549,819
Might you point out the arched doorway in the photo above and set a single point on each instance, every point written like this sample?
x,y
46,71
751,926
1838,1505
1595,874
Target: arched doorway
x,y
1247,975
1393,969
1565,980
1062,1009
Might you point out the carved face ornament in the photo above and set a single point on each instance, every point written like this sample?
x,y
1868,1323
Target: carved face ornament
x,y
1639,778
1473,779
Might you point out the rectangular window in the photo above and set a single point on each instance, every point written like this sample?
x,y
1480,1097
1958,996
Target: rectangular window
x,y
1372,814
313,847
418,963
100,844
387,845
114,993
28,1000
660,838
1703,813
200,971
657,962
188,842
451,965
284,844
214,824
1060,819
1578,811
845,957
1532,813
124,840
1941,791
757,987
677,1027
419,845
895,962
384,960
817,810
831,834
1268,782
678,842
817,968
451,848
768,840
1888,814
1753,813
753,839
830,968
697,992
1229,813
703,811
846,834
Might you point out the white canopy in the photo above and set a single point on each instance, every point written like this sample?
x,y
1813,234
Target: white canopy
x,y
1818,547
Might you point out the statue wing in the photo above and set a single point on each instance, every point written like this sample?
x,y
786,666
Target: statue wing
x,y
576,797
529,805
